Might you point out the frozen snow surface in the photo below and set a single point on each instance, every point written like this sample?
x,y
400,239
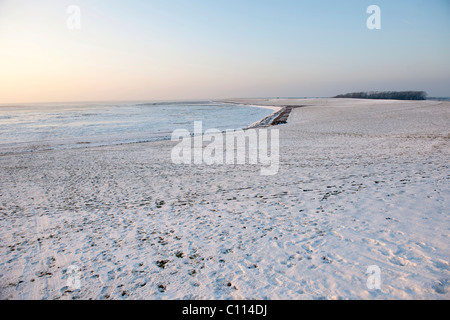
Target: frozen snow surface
x,y
361,183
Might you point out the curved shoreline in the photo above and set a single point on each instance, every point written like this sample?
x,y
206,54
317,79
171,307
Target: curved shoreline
x,y
83,145
279,116
266,121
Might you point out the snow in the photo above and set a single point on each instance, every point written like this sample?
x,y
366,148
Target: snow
x,y
361,183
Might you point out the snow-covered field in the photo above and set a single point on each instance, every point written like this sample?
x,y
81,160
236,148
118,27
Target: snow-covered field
x,y
361,183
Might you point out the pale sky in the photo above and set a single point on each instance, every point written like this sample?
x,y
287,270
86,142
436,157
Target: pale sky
x,y
210,49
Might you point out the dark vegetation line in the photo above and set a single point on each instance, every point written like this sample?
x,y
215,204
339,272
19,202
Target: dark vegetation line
x,y
393,95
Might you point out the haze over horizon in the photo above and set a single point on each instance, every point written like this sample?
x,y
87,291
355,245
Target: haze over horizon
x,y
172,50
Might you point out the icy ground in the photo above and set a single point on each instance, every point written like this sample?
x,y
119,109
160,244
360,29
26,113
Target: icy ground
x,y
361,183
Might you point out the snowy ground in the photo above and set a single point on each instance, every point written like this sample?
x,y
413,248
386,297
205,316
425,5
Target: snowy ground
x,y
361,183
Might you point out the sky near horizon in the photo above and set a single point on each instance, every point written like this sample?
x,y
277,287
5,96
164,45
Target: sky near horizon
x,y
204,49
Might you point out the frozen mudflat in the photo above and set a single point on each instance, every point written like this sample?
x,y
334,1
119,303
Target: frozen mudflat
x,y
361,183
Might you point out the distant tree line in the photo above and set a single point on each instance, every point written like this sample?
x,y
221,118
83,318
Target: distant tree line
x,y
394,95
